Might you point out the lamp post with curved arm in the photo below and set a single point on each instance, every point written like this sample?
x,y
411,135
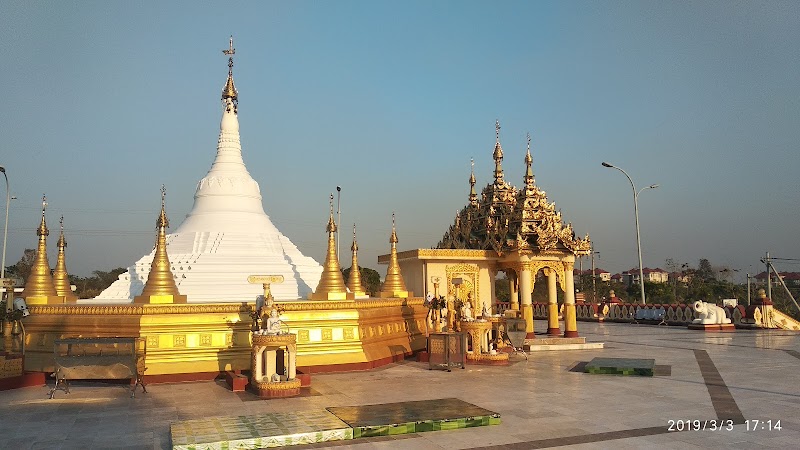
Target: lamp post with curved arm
x,y
636,213
5,229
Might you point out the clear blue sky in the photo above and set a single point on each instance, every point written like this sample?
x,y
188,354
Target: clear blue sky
x,y
105,101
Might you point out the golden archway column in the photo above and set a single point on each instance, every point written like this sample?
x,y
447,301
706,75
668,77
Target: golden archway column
x,y
513,291
570,317
553,328
525,291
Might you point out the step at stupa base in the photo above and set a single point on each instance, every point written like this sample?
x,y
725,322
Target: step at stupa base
x,y
559,343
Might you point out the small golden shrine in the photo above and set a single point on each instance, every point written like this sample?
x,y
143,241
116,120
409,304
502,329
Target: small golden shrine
x,y
517,231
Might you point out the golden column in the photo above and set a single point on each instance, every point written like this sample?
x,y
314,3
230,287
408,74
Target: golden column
x,y
354,280
570,317
331,283
39,285
160,286
60,274
525,291
552,303
393,285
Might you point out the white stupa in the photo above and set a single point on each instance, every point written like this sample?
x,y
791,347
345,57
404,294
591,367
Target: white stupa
x,y
226,236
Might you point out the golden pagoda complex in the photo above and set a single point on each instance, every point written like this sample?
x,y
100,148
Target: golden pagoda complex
x,y
60,274
517,231
193,307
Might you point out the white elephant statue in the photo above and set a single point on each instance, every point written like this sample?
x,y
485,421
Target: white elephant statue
x,y
709,314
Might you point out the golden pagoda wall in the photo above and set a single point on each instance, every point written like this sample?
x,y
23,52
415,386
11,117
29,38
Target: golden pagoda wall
x,y
202,338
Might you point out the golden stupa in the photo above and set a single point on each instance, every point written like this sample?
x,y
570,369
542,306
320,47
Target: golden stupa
x,y
354,280
39,288
331,283
393,285
60,274
160,286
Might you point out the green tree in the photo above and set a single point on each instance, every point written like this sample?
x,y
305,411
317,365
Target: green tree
x,y
502,290
370,279
89,287
22,269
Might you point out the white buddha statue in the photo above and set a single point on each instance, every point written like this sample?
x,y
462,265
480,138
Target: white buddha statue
x,y
466,311
273,324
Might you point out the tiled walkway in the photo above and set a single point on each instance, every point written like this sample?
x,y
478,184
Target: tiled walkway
x,y
543,402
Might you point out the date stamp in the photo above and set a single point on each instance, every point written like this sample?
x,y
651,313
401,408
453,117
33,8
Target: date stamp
x,y
722,425
699,425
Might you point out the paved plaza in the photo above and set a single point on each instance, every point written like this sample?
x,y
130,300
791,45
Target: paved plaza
x,y
723,380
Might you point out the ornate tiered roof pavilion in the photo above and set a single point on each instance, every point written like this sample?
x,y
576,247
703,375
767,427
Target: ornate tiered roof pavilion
x,y
517,231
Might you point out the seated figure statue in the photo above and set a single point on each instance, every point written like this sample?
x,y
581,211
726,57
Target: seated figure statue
x,y
485,311
466,311
273,323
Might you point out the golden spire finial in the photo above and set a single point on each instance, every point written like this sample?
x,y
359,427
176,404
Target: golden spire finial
x,y
354,247
331,222
528,163
163,221
498,156
473,196
393,237
42,230
229,91
62,243
354,278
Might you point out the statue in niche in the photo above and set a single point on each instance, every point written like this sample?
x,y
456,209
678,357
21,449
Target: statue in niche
x,y
466,309
273,323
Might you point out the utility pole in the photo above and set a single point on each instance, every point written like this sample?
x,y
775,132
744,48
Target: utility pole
x,y
594,279
748,289
769,278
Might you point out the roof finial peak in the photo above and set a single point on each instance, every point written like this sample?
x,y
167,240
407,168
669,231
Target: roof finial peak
x,y
229,91
497,129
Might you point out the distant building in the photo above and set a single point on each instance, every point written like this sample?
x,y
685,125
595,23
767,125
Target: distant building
x,y
790,278
600,274
656,275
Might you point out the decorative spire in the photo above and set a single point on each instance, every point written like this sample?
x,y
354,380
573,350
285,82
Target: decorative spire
x,y
39,284
160,281
473,196
331,228
60,274
393,285
354,280
498,156
528,162
331,283
229,91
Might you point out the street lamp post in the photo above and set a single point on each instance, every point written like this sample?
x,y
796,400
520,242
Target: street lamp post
x,y
636,213
5,229
339,217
